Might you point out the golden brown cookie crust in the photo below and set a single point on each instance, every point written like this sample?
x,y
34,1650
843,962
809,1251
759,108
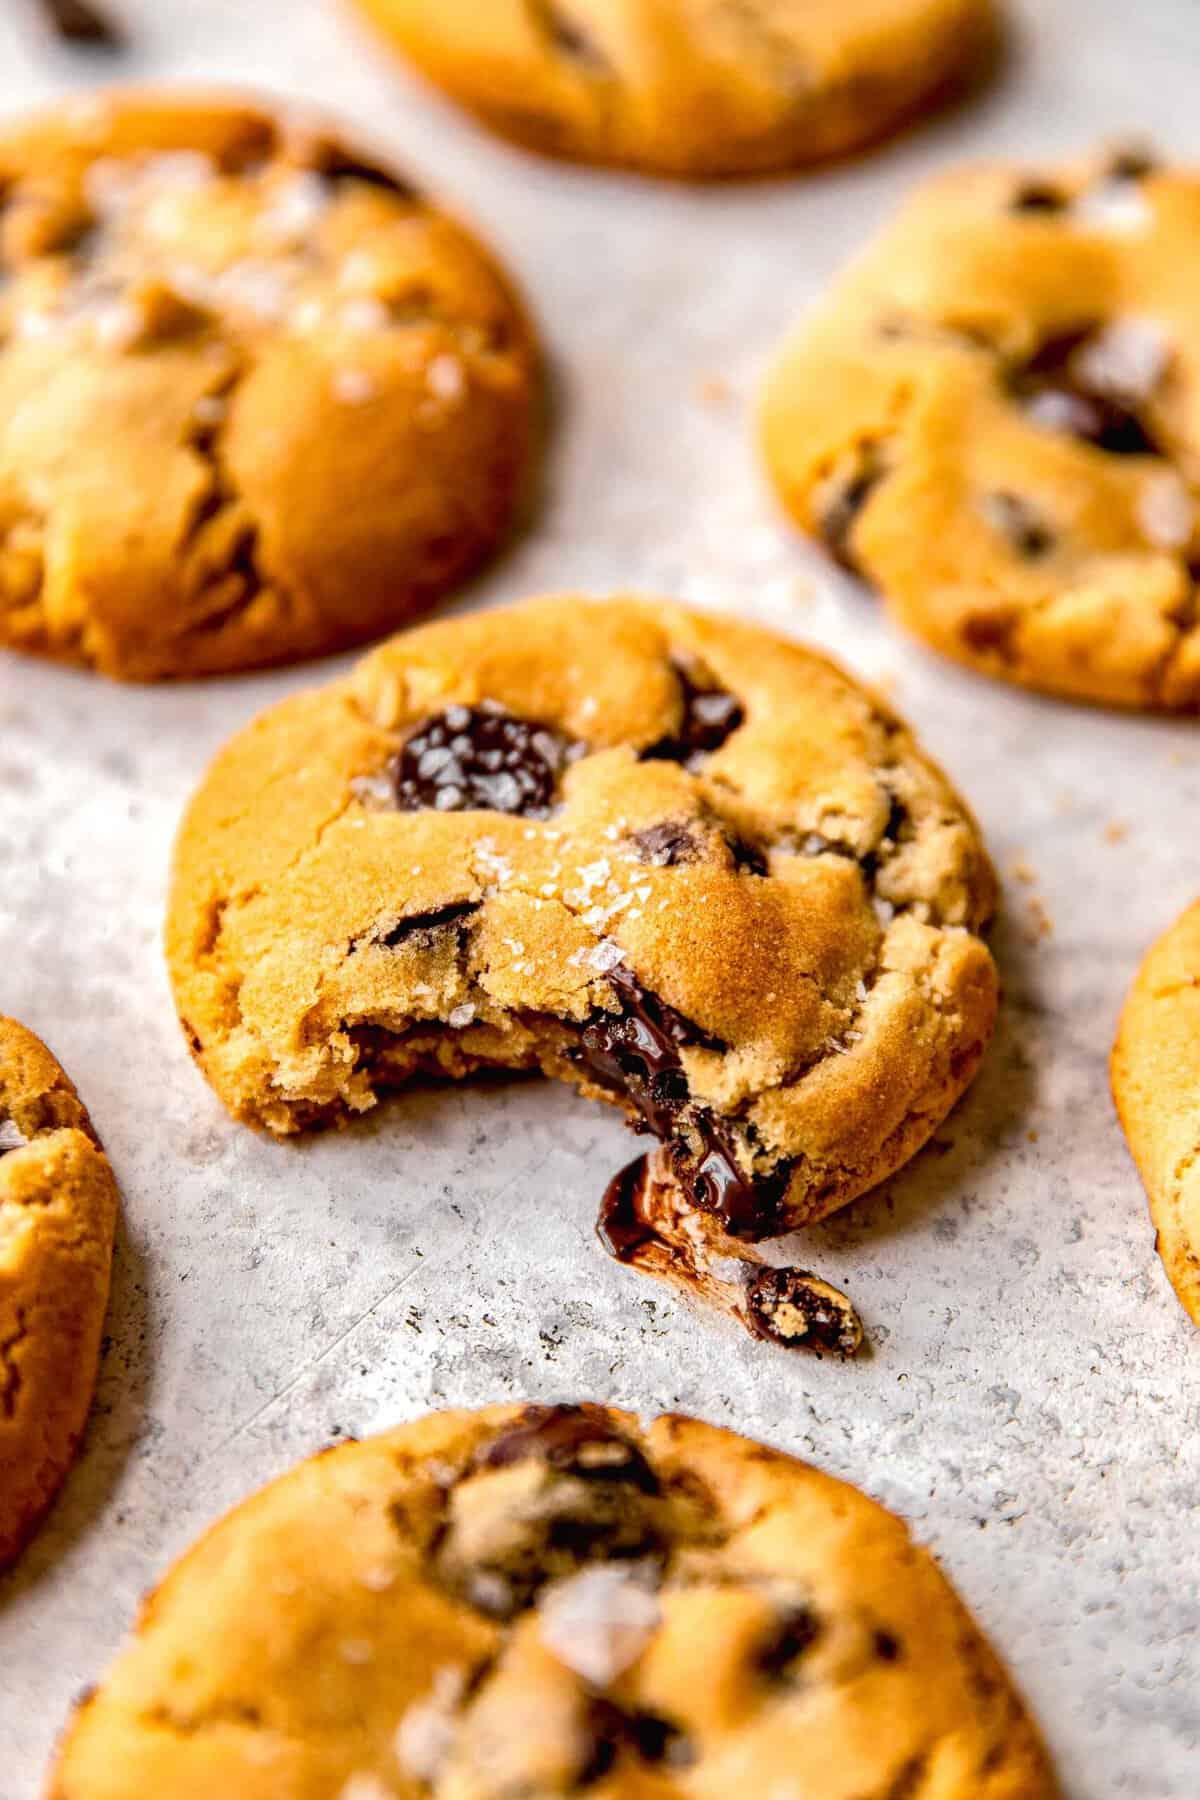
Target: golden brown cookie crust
x,y
1156,1082
805,933
993,419
258,399
554,1600
691,87
58,1209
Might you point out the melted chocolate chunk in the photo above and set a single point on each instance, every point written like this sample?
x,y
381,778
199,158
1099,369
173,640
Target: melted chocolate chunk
x,y
709,716
78,22
887,1647
574,1441
481,758
750,1207
620,1226
646,1735
1017,521
792,1306
795,1634
843,505
415,923
668,845
1053,385
1039,196
636,1052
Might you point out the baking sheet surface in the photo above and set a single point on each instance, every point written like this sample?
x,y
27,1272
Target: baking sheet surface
x,y
1031,1399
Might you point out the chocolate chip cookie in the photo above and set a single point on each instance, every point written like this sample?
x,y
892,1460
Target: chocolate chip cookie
x,y
258,398
58,1211
551,1601
688,866
692,87
993,419
1156,1081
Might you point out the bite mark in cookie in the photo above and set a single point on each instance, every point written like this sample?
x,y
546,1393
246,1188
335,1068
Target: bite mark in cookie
x,y
759,940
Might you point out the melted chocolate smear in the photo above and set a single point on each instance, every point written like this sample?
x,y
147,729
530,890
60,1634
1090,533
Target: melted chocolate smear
x,y
645,1735
436,920
709,716
792,1306
1102,419
481,758
574,1441
620,1226
841,509
668,845
77,22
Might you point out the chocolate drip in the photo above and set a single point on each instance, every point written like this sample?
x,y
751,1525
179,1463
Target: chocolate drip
x,y
620,1226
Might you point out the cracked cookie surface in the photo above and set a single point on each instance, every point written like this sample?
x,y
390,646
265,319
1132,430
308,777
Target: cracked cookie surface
x,y
688,866
58,1211
1156,1082
691,87
258,398
550,1601
995,420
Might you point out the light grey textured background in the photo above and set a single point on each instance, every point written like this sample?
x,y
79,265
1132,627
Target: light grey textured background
x,y
1031,1402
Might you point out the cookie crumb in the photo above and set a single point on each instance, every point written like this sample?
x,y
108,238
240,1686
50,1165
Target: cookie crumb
x,y
1116,832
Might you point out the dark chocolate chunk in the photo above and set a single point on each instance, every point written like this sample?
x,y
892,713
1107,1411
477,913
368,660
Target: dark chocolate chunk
x,y
668,845
636,1052
573,1440
620,1226
336,165
648,1736
1039,196
796,1632
843,504
1017,521
749,1206
793,1307
1053,384
748,857
79,22
1132,162
708,715
481,758
414,923
887,1647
